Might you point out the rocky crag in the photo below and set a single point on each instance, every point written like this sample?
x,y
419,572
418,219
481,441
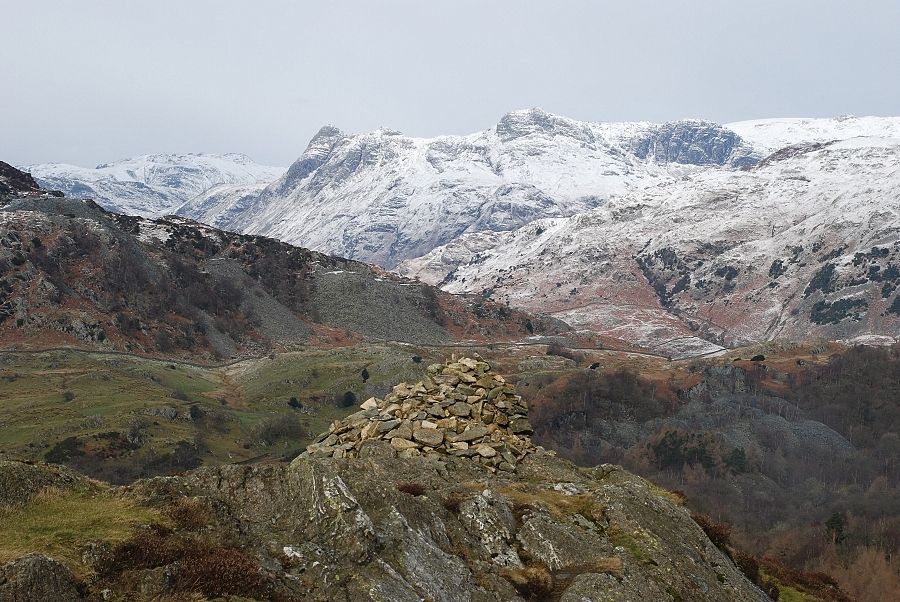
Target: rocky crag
x,y
461,409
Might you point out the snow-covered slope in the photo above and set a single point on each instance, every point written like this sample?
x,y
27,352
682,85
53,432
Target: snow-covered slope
x,y
806,243
769,135
383,197
153,185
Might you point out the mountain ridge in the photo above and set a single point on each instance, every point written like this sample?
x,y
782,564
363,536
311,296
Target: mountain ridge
x,y
155,184
384,197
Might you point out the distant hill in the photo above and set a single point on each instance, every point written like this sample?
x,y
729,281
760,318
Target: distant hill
x,y
153,185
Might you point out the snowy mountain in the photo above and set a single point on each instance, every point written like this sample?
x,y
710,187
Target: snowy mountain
x,y
153,185
383,197
806,243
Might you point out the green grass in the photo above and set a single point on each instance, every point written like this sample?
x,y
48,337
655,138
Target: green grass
x,y
57,523
789,594
34,391
786,593
46,398
631,542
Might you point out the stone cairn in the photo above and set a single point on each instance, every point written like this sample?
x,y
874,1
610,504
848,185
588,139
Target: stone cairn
x,y
460,409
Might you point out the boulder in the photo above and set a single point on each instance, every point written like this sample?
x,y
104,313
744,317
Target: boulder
x,y
37,578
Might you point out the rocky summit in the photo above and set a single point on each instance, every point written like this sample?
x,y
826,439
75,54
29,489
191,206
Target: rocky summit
x,y
461,409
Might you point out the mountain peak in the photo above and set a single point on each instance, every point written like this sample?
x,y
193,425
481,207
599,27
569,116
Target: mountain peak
x,y
327,132
524,122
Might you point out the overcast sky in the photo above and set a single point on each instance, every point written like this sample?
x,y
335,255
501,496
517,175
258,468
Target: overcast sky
x,y
90,81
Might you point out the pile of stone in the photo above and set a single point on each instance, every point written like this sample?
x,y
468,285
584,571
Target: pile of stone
x,y
460,409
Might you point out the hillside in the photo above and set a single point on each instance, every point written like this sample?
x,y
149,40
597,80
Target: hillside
x,y
76,275
775,447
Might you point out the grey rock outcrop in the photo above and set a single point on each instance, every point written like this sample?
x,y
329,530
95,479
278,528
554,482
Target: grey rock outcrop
x,y
693,143
352,529
36,578
20,482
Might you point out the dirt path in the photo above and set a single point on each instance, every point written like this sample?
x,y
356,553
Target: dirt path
x,y
229,392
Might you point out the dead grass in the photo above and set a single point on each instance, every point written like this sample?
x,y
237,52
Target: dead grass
x,y
188,513
453,501
524,497
533,582
676,497
414,489
58,522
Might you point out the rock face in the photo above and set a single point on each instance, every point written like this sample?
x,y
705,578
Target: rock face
x,y
461,409
36,578
694,143
14,181
354,529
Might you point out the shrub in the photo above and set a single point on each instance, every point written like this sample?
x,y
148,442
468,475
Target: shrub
x,y
284,426
348,399
188,513
823,280
295,403
223,571
534,582
776,269
559,350
674,449
365,374
748,564
163,342
147,549
824,312
727,272
64,450
213,570
718,533
415,489
68,396
814,583
453,501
